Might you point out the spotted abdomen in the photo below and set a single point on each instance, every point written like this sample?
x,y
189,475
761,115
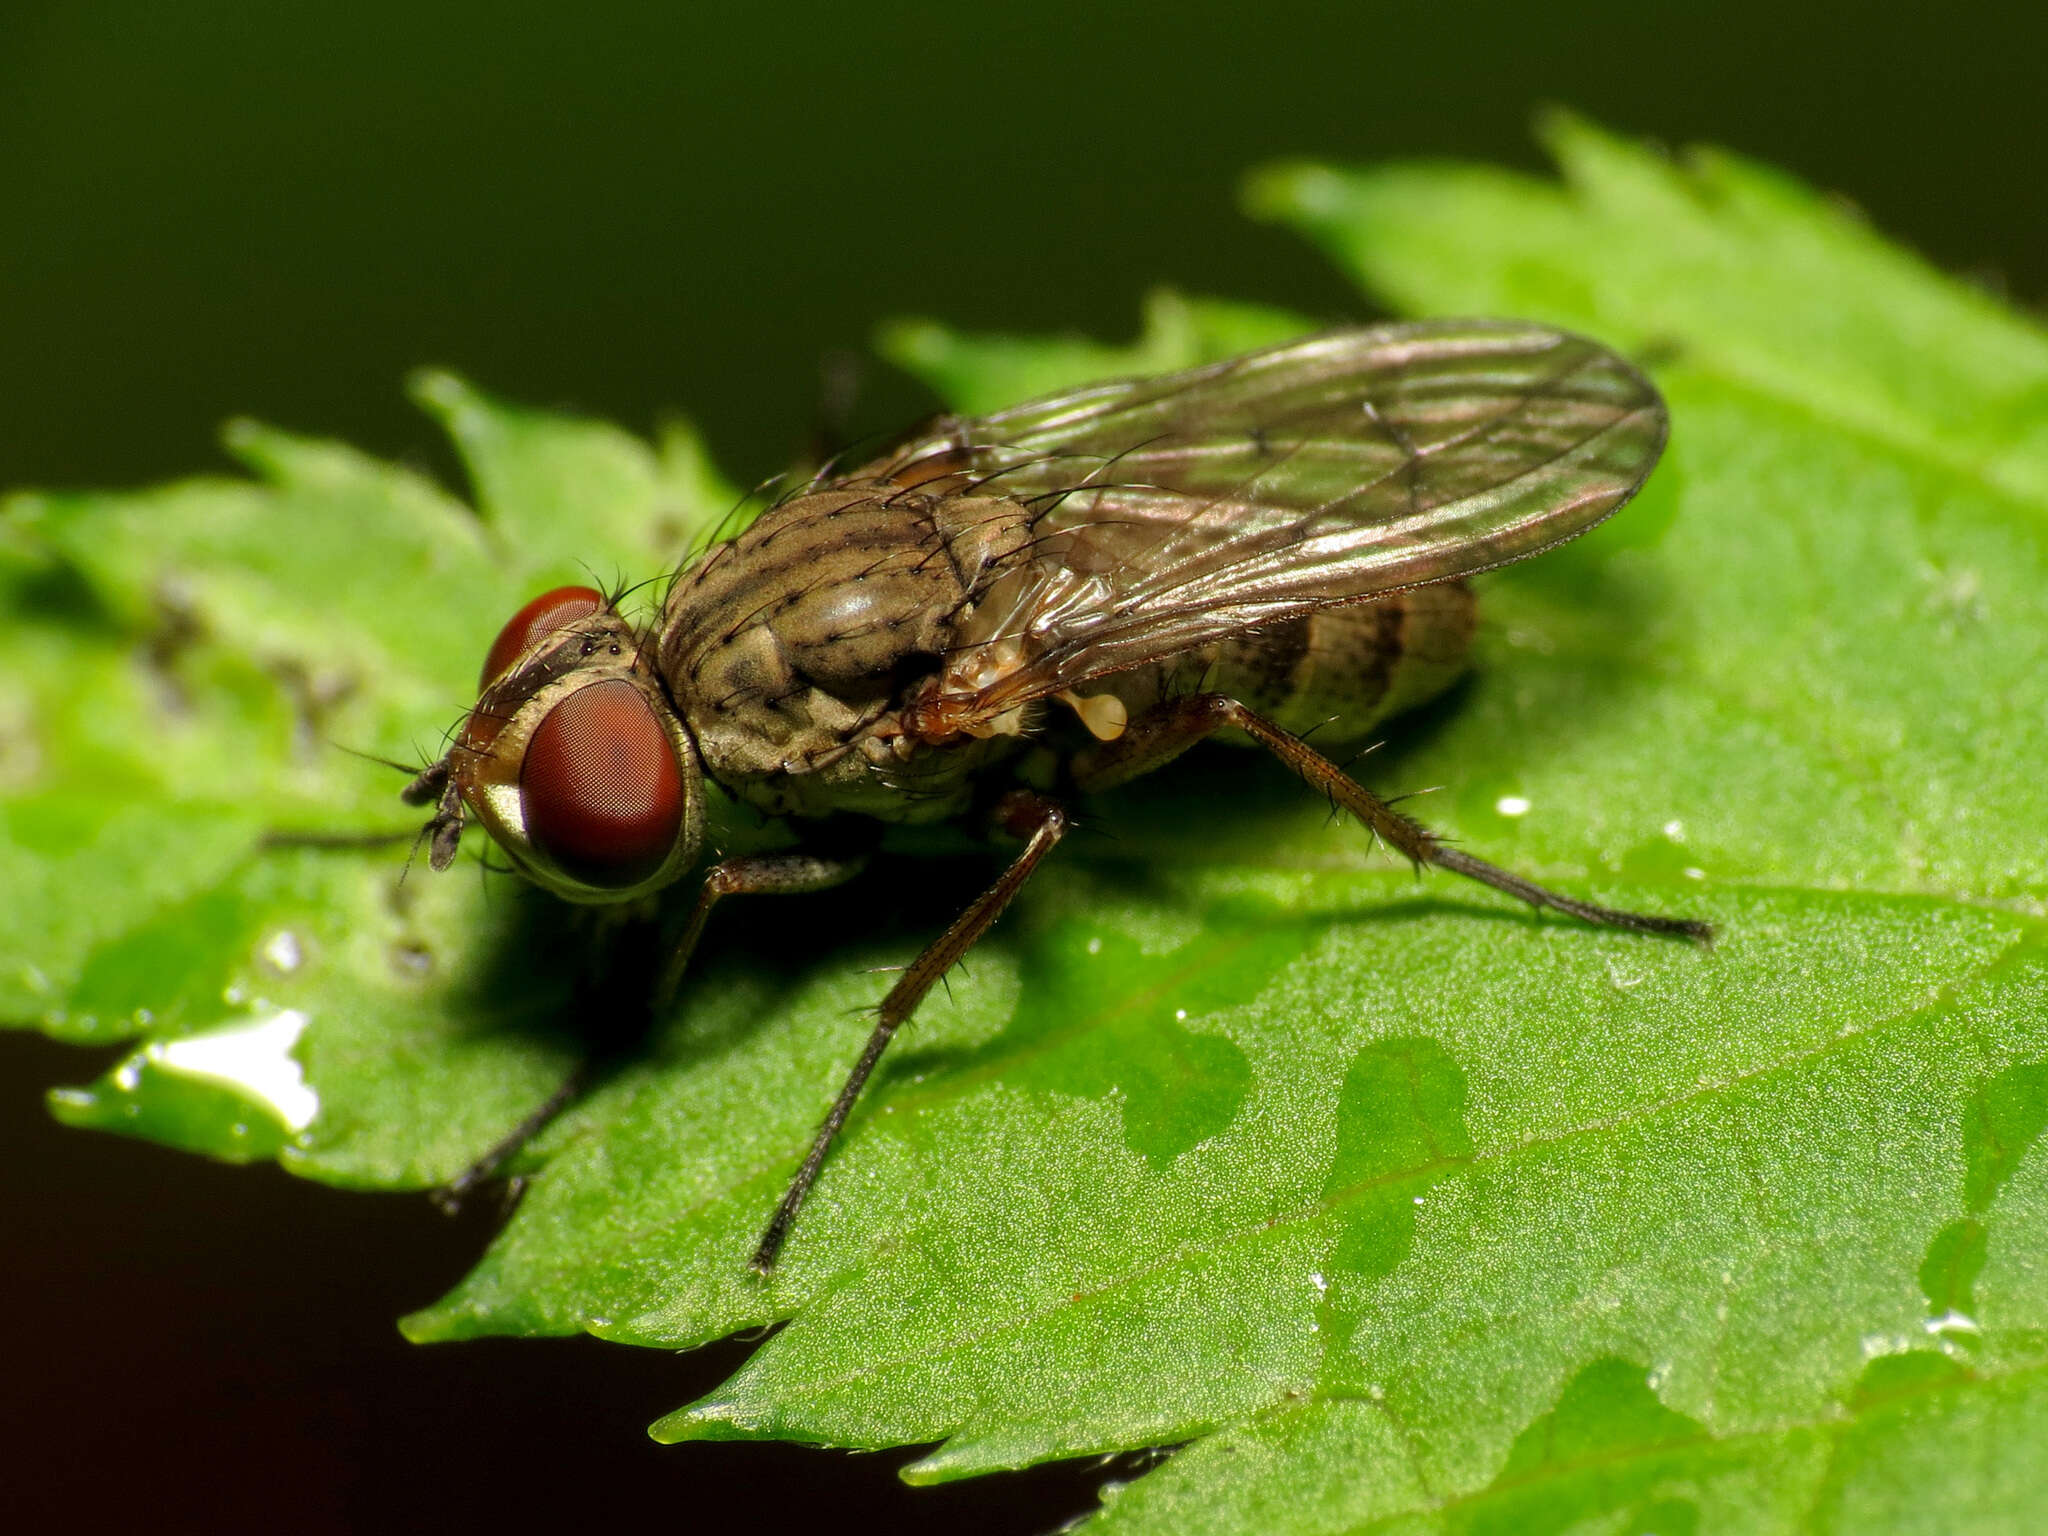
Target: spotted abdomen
x,y
1342,671
1338,672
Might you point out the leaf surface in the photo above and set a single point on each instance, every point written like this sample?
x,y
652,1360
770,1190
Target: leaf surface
x,y
1409,1209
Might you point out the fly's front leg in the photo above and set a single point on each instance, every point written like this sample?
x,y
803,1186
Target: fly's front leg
x,y
451,1196
1041,823
1169,729
771,874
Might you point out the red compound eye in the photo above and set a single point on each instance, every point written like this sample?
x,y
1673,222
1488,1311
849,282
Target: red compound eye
x,y
601,787
537,620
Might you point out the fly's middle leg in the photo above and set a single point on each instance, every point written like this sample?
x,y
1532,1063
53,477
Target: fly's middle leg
x,y
1040,823
1172,726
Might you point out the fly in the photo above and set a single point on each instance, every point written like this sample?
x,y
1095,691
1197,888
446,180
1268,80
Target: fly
x,y
1071,592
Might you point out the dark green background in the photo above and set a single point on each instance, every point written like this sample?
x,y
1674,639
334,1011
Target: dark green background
x,y
276,209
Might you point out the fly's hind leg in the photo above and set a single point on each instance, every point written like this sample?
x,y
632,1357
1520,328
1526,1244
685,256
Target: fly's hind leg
x,y
769,874
1168,729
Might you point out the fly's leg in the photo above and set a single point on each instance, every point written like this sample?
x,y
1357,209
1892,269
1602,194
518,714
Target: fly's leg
x,y
763,874
341,842
1041,823
770,874
450,1196
1170,728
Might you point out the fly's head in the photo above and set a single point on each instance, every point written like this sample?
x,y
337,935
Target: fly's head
x,y
572,759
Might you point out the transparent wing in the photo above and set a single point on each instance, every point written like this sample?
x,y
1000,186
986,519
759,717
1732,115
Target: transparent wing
x,y
1171,512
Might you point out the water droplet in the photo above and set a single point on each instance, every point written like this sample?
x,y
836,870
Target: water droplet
x,y
1621,982
1095,945
1180,1015
234,996
1512,805
1693,872
144,1018
1952,1322
1316,1279
283,952
253,1058
1675,830
1418,1199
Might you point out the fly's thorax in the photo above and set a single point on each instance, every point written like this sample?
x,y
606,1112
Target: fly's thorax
x,y
574,761
790,647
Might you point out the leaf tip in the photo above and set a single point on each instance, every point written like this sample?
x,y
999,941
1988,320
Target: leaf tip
x,y
273,454
969,1454
927,1471
427,1326
707,1419
1558,128
75,1107
913,342
1291,190
440,392
243,436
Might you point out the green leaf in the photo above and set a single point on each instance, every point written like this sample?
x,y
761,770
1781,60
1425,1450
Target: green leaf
x,y
978,374
1408,1208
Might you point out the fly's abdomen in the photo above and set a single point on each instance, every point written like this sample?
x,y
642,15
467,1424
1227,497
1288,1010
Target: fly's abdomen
x,y
1342,671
